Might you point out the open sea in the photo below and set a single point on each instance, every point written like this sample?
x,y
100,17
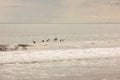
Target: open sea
x,y
61,64
25,33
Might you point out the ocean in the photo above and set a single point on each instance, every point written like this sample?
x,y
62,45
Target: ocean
x,y
72,64
74,59
25,33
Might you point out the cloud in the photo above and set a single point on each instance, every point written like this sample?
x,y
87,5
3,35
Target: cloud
x,y
59,11
115,3
7,3
82,11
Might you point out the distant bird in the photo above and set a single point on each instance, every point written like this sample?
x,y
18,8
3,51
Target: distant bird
x,y
43,41
55,39
48,40
61,40
34,42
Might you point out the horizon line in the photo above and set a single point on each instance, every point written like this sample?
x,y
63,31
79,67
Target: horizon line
x,y
67,23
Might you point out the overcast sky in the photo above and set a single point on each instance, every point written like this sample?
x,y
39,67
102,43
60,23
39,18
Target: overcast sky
x,y
59,11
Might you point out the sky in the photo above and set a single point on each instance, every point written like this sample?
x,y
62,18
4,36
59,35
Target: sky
x,y
59,11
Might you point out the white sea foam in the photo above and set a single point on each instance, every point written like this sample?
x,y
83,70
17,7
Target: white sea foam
x,y
57,55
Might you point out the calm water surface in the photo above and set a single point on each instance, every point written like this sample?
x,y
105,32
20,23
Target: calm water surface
x,y
25,33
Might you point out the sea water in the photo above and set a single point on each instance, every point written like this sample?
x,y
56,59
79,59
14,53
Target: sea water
x,y
72,64
25,33
21,57
61,64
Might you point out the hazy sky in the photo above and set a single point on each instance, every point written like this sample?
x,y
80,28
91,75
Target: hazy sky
x,y
59,11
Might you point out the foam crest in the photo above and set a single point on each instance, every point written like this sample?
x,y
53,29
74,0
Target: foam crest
x,y
57,55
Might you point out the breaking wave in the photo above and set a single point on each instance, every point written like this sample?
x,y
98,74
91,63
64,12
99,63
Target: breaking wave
x,y
29,57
